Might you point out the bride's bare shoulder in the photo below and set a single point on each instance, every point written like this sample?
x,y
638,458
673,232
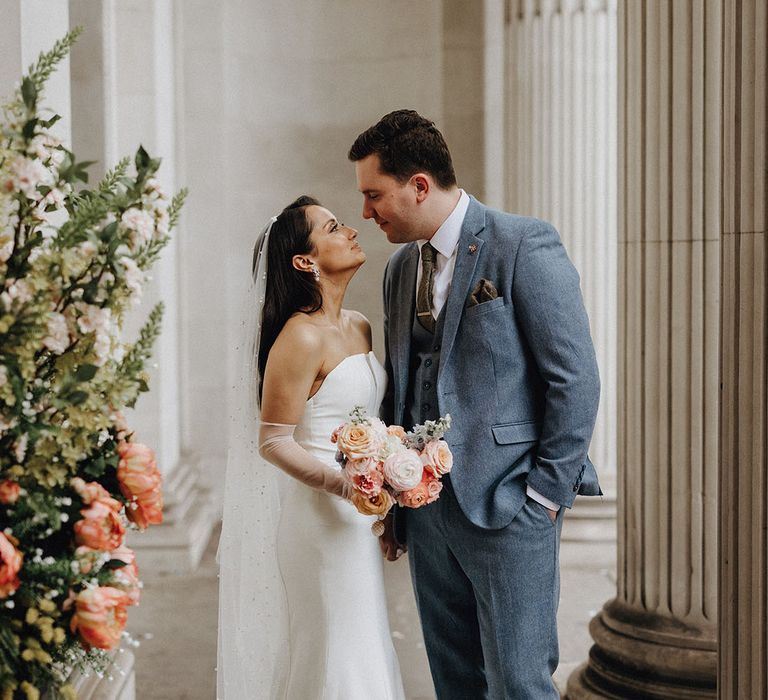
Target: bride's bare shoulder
x,y
359,322
300,336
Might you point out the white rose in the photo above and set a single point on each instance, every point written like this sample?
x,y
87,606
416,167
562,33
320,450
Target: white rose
x,y
140,223
57,340
403,470
6,246
134,277
27,174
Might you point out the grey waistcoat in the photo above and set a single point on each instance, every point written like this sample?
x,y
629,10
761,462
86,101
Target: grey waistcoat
x,y
421,401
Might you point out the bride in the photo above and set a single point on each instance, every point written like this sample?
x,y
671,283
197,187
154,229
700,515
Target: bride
x,y
302,608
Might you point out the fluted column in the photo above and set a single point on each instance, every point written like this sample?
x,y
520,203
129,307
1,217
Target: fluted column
x,y
562,160
560,147
658,637
743,636
127,85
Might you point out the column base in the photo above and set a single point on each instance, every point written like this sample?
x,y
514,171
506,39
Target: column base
x,y
642,655
176,545
122,685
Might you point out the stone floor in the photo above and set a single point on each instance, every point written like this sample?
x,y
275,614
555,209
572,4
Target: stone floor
x,y
176,624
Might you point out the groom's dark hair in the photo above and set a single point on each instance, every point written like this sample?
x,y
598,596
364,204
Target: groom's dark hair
x,y
406,143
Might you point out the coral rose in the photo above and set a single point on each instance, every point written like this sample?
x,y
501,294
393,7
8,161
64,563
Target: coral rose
x,y
372,505
358,440
100,528
93,491
126,578
403,469
10,565
100,616
140,481
369,483
9,492
424,493
437,457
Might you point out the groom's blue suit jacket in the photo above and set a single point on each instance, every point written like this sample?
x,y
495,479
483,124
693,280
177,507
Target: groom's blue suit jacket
x,y
517,373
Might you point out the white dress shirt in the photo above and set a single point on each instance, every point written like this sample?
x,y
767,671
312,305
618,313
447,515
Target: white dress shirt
x,y
446,242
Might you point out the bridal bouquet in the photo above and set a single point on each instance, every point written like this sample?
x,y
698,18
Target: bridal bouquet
x,y
72,477
386,465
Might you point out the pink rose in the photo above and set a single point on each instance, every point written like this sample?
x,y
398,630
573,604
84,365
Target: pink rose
x,y
140,482
427,491
437,457
100,616
362,466
93,491
358,440
403,469
10,565
9,492
370,484
126,578
100,528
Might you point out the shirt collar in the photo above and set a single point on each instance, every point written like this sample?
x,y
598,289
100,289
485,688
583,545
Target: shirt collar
x,y
446,238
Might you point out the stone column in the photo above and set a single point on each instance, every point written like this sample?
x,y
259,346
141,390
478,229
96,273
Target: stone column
x,y
126,79
743,661
561,167
28,27
658,637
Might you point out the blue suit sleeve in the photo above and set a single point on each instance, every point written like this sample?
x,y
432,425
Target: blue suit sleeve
x,y
550,312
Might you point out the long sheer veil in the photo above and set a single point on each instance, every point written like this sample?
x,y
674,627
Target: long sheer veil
x,y
253,627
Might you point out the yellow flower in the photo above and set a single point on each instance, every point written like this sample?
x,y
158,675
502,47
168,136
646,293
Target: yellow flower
x,y
32,615
32,692
68,692
47,605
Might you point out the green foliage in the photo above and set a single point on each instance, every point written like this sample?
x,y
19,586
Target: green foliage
x,y
73,260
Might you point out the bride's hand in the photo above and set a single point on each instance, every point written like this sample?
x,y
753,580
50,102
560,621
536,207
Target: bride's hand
x,y
387,542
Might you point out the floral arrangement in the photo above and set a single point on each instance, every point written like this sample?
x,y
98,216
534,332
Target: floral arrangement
x,y
72,477
387,465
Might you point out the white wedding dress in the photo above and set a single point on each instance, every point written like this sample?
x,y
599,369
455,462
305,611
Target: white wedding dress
x,y
339,642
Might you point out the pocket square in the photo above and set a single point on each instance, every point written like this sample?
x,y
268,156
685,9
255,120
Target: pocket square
x,y
483,291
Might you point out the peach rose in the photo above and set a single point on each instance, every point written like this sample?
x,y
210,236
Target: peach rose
x,y
93,491
427,491
100,616
403,469
396,431
100,528
10,565
9,492
437,457
126,578
140,482
373,505
358,440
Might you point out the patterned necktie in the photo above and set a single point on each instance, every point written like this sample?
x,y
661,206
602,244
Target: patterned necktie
x,y
424,293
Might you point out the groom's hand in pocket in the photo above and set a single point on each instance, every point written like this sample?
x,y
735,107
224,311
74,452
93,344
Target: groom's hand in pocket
x,y
387,542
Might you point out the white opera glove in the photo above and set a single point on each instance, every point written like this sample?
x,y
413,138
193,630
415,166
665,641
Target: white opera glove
x,y
278,446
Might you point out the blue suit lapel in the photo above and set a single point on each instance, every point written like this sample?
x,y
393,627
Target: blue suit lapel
x,y
401,327
467,255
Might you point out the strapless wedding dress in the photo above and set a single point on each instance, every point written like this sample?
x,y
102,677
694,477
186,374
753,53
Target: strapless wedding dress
x,y
340,647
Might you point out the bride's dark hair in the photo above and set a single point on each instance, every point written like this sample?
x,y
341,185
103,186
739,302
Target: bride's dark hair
x,y
288,290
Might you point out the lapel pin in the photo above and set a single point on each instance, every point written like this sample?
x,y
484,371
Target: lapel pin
x,y
472,248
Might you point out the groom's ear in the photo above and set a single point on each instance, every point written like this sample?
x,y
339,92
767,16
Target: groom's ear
x,y
422,185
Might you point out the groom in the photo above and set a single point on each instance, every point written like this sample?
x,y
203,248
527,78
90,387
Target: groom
x,y
483,320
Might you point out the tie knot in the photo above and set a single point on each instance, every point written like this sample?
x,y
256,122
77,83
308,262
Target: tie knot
x,y
428,252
